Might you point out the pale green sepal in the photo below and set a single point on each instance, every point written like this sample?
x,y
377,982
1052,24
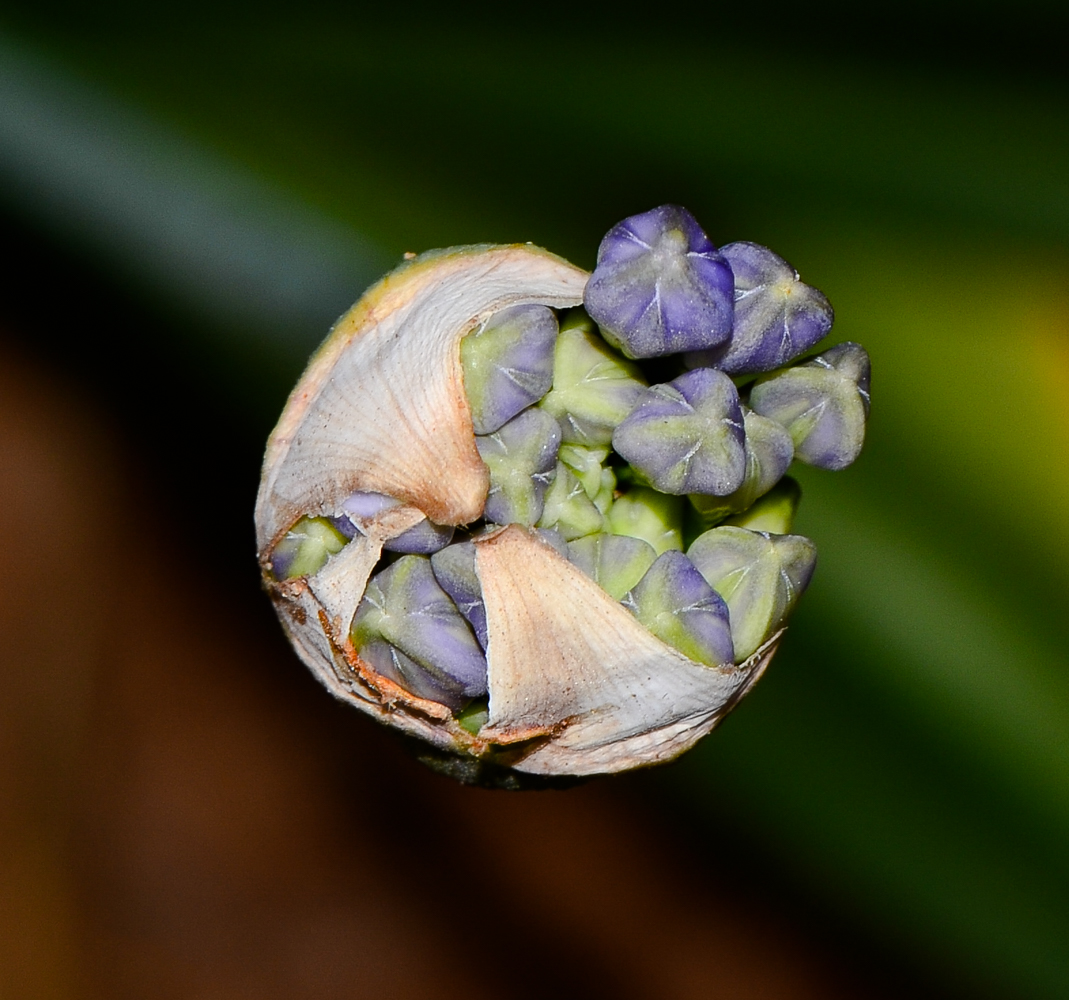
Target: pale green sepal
x,y
586,463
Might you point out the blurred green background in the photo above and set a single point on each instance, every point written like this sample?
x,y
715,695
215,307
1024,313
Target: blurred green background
x,y
240,174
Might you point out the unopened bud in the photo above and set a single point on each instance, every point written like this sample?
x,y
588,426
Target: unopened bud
x,y
654,517
615,562
404,611
306,547
521,457
568,509
774,512
822,403
508,364
759,575
769,451
687,436
422,539
678,606
593,387
777,316
660,286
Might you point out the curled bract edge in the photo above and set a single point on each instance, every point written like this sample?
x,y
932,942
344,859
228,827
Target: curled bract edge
x,y
577,685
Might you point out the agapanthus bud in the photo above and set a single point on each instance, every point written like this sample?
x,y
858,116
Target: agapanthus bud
x,y
678,606
568,509
454,569
593,387
777,316
521,457
660,286
422,539
774,512
615,562
759,575
586,464
654,517
508,364
687,436
769,451
822,403
306,547
404,611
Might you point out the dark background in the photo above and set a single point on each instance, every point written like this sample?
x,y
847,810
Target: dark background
x,y
188,197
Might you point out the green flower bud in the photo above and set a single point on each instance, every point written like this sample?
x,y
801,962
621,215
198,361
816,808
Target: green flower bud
x,y
508,364
759,575
593,387
521,457
568,508
306,547
586,463
615,562
774,512
654,517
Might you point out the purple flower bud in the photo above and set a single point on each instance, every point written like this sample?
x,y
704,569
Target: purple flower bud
x,y
454,569
678,606
508,364
759,575
777,317
423,538
405,608
687,436
660,286
823,404
521,457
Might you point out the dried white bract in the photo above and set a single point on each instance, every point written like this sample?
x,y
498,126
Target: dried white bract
x,y
379,430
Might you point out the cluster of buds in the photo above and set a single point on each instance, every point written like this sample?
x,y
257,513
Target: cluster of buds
x,y
483,524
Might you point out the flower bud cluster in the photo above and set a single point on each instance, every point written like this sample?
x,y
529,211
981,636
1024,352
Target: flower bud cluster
x,y
671,496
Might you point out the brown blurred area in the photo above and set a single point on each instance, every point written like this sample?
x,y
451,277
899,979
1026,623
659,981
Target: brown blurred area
x,y
183,813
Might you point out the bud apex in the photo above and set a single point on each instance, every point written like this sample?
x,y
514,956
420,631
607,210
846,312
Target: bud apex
x,y
660,286
679,607
568,509
777,317
306,547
